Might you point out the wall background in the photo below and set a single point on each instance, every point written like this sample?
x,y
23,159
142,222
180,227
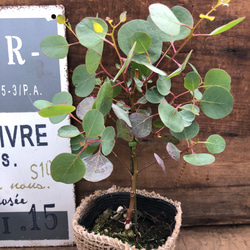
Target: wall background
x,y
214,194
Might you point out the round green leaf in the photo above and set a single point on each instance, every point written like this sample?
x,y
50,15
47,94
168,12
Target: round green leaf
x,y
59,98
164,19
67,168
199,159
68,131
163,85
55,46
121,114
188,117
215,144
141,124
153,96
188,132
104,98
108,140
93,123
41,104
184,16
62,97
83,81
171,117
191,107
143,42
98,167
88,35
129,29
218,77
197,94
77,142
192,81
93,58
216,102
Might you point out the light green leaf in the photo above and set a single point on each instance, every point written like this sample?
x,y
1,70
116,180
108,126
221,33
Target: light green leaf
x,y
197,94
171,117
108,140
104,98
163,85
199,159
68,131
227,26
192,81
184,16
154,69
217,77
188,117
153,96
59,98
55,46
83,81
93,123
164,19
41,104
93,58
215,144
87,33
138,84
181,68
56,110
143,42
191,107
126,63
67,168
129,29
121,114
188,132
216,102
77,142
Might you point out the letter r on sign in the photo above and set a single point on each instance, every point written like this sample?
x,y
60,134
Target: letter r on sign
x,y
12,50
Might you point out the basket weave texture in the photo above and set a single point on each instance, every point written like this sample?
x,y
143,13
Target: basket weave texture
x,y
91,241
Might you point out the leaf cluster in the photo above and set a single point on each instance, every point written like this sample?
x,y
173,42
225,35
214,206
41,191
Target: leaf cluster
x,y
139,49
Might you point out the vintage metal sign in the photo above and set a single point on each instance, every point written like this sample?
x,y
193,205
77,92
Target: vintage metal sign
x,y
34,209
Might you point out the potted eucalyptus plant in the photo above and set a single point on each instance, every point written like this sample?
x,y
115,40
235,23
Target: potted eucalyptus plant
x,y
132,104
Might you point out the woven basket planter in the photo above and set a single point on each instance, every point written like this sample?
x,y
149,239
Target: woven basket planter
x,y
92,206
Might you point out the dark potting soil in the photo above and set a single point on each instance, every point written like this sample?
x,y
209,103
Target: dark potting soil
x,y
150,231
